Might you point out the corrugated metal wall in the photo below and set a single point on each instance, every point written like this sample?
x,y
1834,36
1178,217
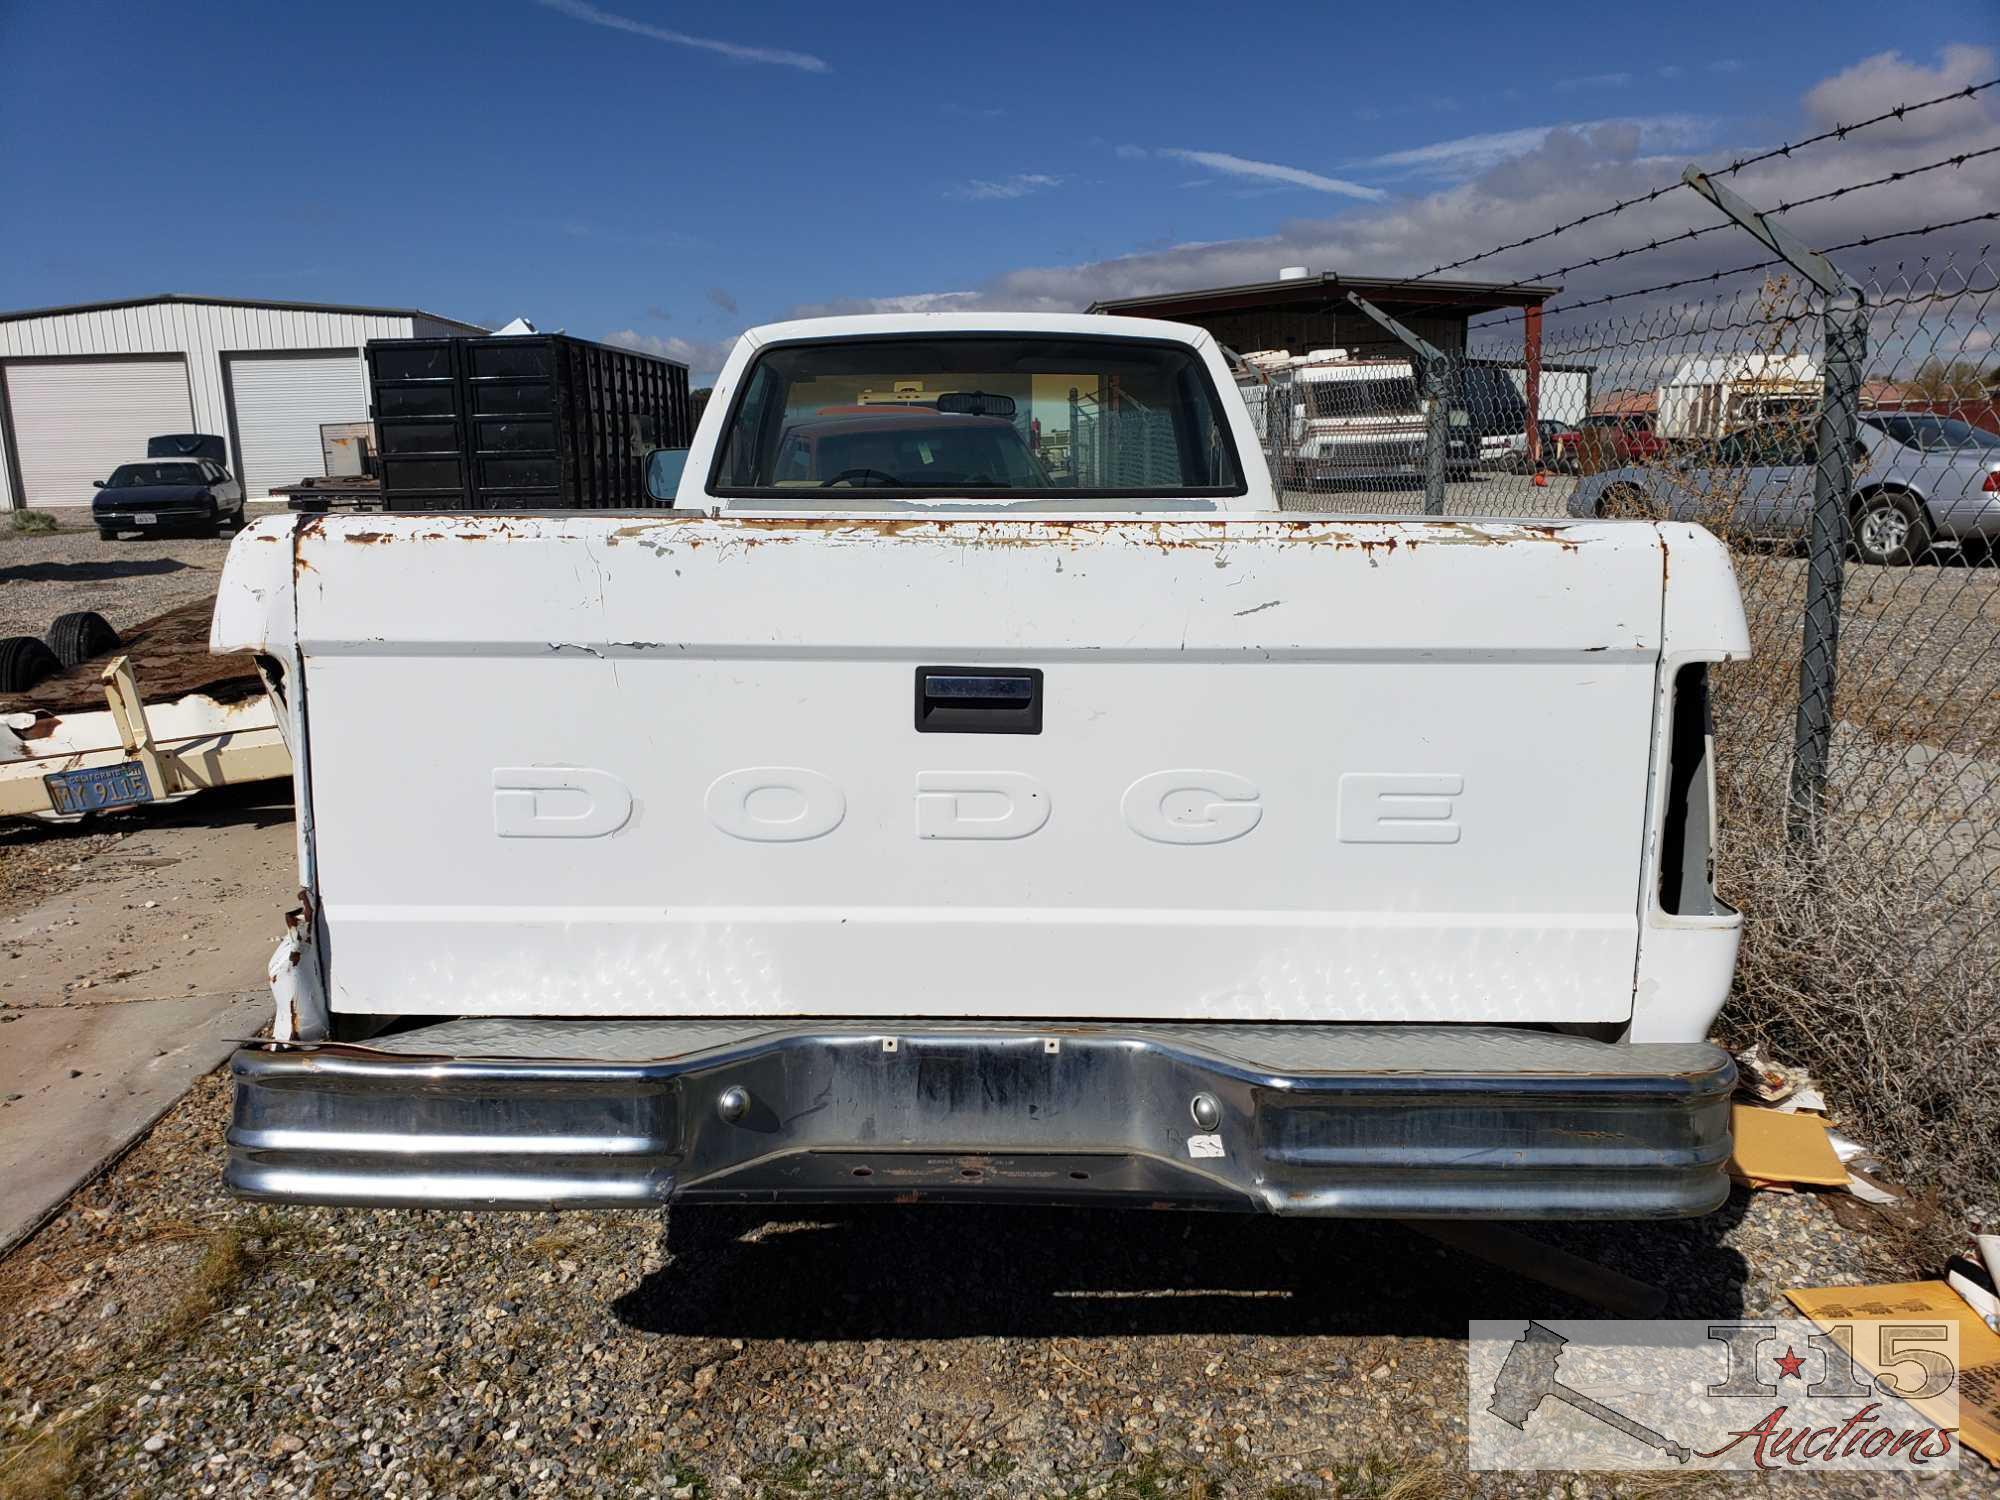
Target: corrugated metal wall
x,y
203,333
281,401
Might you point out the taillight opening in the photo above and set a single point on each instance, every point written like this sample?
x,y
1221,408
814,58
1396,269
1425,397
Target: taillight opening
x,y
1687,834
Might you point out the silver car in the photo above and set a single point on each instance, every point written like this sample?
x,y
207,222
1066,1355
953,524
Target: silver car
x,y
1919,480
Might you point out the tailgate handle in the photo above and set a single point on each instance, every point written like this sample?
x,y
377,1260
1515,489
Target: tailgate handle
x,y
979,700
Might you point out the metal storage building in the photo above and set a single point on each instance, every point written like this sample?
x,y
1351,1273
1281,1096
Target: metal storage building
x,y
83,387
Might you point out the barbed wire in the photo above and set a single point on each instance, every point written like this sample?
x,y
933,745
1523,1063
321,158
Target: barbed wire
x,y
1714,276
1838,132
1783,208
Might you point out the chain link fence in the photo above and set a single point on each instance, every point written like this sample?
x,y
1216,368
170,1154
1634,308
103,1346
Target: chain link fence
x,y
1843,438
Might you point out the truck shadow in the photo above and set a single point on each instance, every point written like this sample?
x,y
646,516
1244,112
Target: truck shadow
x,y
91,572
937,1271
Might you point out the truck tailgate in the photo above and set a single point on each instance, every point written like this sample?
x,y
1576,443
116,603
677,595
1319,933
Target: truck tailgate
x,y
1284,770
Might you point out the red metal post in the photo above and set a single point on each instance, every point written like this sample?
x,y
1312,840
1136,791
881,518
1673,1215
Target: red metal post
x,y
1531,392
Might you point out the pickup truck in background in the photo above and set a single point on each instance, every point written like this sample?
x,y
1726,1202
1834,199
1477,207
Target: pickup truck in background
x,y
902,816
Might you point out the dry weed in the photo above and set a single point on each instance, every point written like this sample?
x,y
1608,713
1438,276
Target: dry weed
x,y
1862,964
51,1464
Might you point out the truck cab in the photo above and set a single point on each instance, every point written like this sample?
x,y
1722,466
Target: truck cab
x,y
895,814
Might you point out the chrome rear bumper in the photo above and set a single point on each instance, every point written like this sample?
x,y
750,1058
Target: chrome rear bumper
x,y
1396,1121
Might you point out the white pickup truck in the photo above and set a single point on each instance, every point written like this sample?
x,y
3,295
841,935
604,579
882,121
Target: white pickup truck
x,y
974,787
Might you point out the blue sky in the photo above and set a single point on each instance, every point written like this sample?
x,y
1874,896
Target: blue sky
x,y
670,172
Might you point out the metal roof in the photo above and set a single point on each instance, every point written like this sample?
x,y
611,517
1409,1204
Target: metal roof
x,y
1328,287
310,307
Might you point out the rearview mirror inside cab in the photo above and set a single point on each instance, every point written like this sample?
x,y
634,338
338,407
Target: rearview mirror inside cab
x,y
975,404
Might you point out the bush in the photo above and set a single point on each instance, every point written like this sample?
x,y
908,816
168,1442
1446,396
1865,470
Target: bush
x,y
1872,965
33,522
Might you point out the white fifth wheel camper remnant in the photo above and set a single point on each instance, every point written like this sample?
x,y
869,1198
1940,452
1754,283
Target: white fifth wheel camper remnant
x,y
905,815
1330,416
1712,395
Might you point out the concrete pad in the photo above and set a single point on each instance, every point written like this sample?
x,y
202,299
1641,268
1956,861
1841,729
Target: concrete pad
x,y
189,901
78,1084
135,971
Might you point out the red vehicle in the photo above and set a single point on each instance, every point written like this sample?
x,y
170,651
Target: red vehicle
x,y
1614,438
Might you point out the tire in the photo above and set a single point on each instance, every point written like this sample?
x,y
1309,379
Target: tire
x,y
1627,502
107,533
1891,529
79,636
24,662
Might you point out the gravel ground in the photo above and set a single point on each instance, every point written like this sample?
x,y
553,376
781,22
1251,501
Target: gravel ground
x,y
46,574
188,1345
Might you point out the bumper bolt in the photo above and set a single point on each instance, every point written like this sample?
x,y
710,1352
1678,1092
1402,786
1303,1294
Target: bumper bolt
x,y
1207,1113
733,1103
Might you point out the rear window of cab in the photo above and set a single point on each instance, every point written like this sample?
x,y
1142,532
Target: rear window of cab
x,y
1006,417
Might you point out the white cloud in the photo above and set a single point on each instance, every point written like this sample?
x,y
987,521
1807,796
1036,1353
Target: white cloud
x,y
1888,79
922,302
581,10
1130,153
703,357
1726,65
1533,180
1020,185
1469,155
1269,171
1595,81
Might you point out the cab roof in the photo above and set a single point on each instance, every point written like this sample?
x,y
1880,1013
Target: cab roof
x,y
1075,325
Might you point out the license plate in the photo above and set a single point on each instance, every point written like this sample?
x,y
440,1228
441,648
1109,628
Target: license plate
x,y
95,788
146,518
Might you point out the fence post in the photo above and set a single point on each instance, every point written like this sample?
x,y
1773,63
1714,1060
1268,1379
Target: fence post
x,y
1844,319
1437,393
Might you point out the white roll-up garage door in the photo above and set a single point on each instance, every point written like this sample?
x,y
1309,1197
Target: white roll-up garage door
x,y
281,399
77,420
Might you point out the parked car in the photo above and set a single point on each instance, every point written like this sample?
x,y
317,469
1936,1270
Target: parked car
x,y
1609,439
899,825
1510,452
154,495
1918,481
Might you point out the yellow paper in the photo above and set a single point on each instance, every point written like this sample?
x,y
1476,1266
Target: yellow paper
x,y
1774,1147
1978,1346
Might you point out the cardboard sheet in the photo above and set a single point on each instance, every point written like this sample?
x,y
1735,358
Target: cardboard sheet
x,y
1772,1147
1978,1345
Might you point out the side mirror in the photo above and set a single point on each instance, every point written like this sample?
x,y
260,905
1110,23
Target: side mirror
x,y
663,473
97,484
